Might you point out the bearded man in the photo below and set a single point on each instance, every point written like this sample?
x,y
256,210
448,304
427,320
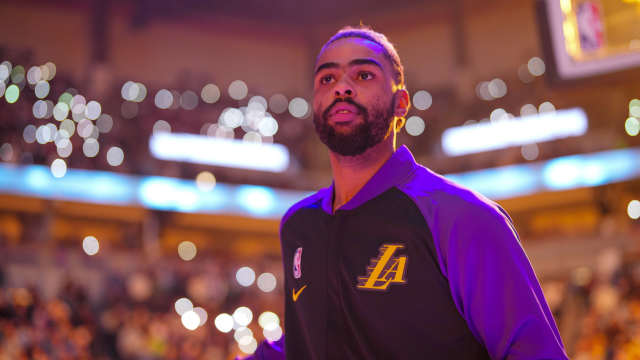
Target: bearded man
x,y
393,261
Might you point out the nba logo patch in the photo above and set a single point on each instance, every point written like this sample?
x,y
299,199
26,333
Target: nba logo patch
x,y
297,263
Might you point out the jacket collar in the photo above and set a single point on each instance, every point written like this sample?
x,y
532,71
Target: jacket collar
x,y
396,169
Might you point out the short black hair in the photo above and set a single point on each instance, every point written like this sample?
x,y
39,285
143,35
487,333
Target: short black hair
x,y
365,32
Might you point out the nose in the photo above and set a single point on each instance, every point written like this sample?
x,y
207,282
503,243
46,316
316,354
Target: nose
x,y
343,89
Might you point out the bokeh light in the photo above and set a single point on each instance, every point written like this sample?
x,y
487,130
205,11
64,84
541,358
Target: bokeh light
x,y
60,111
49,70
161,126
498,114
12,94
163,99
39,109
278,103
17,74
252,137
68,126
188,100
530,151
115,156
248,348
78,103
190,320
93,110
183,305
58,168
210,94
34,75
224,322
268,320
632,126
497,88
202,315
546,107
90,245
528,109
42,89
482,91
242,316
65,97
298,107
272,334
42,134
222,132
634,108
415,125
524,75
29,134
129,90
5,70
6,152
536,66
245,276
268,126
187,250
258,102
205,181
85,128
267,282
422,100
90,147
65,149
231,117
104,123
129,110
633,209
243,335
238,90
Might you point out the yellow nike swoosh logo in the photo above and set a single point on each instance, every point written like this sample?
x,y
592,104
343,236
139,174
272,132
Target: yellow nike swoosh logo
x,y
296,294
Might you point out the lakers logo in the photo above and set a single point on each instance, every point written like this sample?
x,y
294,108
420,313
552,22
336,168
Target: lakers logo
x,y
385,269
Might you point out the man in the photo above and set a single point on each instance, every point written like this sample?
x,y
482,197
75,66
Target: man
x,y
393,261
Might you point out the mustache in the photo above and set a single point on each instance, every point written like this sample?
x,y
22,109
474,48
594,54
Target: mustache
x,y
327,111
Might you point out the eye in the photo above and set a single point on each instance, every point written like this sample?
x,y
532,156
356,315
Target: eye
x,y
365,75
325,79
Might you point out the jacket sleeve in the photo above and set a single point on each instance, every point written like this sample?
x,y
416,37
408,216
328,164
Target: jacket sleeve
x,y
268,350
491,280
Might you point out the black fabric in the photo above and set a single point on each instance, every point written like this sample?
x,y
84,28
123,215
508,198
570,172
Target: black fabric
x,y
334,319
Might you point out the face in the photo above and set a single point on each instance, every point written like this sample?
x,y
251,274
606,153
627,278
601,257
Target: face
x,y
353,96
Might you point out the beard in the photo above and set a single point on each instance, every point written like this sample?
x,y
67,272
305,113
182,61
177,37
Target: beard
x,y
374,128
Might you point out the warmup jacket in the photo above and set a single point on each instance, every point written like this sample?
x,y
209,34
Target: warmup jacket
x,y
414,266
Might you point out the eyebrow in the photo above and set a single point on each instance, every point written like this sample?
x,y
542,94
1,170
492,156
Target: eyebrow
x,y
354,62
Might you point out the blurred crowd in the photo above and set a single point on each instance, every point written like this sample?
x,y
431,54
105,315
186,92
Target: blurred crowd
x,y
132,316
125,316
133,124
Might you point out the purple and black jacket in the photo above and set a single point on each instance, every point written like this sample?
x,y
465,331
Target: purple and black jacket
x,y
413,266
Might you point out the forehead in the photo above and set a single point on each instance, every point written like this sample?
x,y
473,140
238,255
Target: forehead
x,y
342,51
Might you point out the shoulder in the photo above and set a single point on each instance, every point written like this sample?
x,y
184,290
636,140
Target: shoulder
x,y
312,200
438,196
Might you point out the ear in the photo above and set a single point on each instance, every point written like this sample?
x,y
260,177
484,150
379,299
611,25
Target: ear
x,y
401,108
403,103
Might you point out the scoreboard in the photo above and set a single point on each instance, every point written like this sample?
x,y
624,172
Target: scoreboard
x,y
584,38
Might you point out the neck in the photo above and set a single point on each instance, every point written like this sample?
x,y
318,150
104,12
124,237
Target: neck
x,y
350,173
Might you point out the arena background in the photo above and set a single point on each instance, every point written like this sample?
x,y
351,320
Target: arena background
x,y
112,247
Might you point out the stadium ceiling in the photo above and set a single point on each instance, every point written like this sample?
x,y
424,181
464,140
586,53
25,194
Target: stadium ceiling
x,y
293,12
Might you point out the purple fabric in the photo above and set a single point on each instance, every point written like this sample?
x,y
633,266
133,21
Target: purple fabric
x,y
490,277
268,350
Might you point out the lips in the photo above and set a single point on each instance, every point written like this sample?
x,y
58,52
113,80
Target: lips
x,y
343,113
344,109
